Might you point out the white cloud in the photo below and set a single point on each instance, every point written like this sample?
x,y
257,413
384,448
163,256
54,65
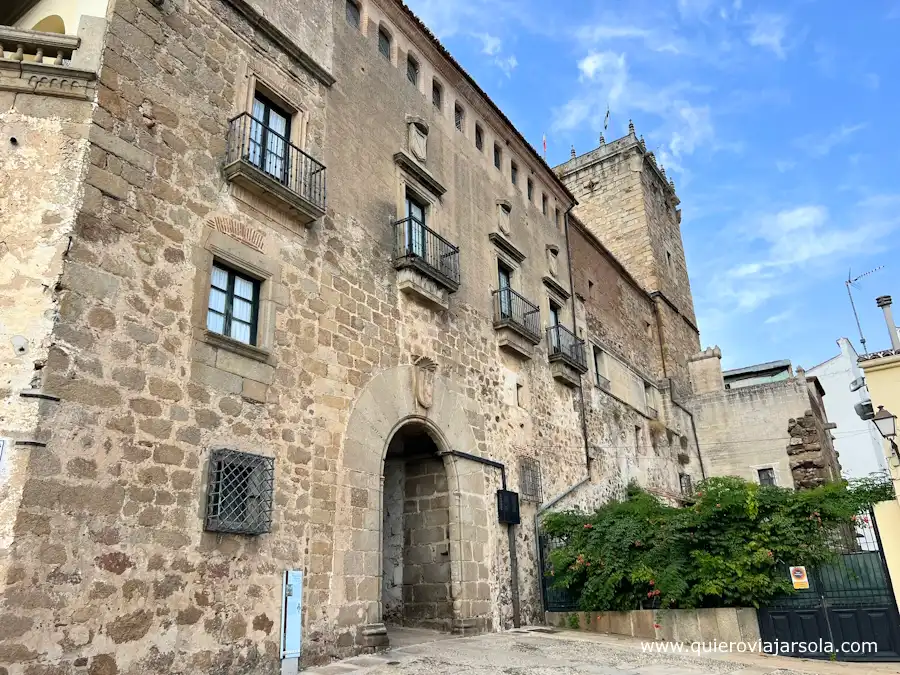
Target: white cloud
x,y
820,146
507,64
768,31
491,44
781,317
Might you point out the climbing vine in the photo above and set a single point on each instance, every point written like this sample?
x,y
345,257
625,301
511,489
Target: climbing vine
x,y
728,548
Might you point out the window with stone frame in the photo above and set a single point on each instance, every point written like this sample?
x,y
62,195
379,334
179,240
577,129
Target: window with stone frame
x,y
233,308
459,117
437,95
530,480
687,484
544,204
498,157
479,138
600,368
412,71
239,492
767,477
354,17
530,189
384,43
514,173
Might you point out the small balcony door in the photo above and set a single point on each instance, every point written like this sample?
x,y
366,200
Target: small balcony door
x,y
504,279
415,228
269,133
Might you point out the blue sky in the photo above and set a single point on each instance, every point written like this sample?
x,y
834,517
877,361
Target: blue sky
x,y
778,121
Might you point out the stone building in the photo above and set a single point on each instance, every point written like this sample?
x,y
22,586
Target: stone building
x,y
289,313
762,423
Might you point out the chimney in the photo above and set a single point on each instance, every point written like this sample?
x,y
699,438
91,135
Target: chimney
x,y
884,302
705,371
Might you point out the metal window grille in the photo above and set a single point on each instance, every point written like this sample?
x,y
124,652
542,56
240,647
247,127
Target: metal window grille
x,y
766,477
687,485
384,44
530,480
353,15
239,495
458,117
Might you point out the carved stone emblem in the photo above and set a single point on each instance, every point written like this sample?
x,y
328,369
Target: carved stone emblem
x,y
418,138
504,209
424,381
238,230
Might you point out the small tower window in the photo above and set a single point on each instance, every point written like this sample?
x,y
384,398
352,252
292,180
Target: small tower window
x,y
479,138
384,43
353,14
530,187
459,116
412,71
514,173
498,156
437,95
544,204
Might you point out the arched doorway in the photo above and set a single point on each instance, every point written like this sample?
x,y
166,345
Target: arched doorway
x,y
416,551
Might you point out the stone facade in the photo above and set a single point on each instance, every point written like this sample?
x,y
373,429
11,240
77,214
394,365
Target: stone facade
x,y
104,484
775,425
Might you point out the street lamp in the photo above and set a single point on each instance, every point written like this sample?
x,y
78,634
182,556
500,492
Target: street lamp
x,y
887,427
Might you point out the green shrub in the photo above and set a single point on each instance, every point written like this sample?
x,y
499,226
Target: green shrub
x,y
729,548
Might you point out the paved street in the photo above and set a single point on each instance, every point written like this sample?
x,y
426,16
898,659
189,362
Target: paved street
x,y
529,652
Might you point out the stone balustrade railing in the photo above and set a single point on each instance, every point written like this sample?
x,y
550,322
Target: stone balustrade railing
x,y
16,43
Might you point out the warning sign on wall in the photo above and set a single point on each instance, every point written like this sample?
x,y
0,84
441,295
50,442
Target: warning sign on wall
x,y
799,578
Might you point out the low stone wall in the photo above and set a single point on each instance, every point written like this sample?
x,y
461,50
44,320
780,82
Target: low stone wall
x,y
682,625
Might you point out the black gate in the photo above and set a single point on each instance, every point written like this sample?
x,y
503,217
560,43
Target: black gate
x,y
849,604
555,599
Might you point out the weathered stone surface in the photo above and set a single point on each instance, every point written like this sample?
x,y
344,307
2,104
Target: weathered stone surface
x,y
130,627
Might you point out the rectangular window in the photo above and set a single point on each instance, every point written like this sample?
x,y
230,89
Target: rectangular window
x,y
269,144
766,477
530,188
459,116
557,218
384,43
554,314
544,204
514,173
504,281
479,138
233,304
600,368
239,492
687,485
412,71
530,483
437,95
498,156
353,16
669,260
520,397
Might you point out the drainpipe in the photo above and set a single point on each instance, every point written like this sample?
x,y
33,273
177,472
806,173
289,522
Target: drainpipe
x,y
584,432
884,302
510,533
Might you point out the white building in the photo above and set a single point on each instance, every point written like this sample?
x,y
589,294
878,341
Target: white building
x,y
857,441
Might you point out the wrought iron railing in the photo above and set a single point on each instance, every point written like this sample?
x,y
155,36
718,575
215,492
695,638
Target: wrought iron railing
x,y
416,245
566,346
251,141
512,309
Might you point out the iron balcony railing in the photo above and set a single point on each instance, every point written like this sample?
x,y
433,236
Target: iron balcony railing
x,y
416,245
566,346
511,309
251,141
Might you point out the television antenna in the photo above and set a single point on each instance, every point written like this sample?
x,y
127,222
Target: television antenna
x,y
851,283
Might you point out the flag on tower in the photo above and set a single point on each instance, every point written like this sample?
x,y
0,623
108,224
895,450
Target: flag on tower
x,y
606,119
545,146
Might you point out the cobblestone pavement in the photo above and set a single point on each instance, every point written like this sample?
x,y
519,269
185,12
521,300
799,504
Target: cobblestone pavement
x,y
530,652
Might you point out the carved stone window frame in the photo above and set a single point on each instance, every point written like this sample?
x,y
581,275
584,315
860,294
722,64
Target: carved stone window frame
x,y
299,122
217,245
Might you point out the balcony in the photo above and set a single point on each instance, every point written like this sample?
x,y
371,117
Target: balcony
x,y
518,322
568,361
270,166
428,264
51,64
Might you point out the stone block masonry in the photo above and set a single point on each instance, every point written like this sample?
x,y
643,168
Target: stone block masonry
x,y
105,564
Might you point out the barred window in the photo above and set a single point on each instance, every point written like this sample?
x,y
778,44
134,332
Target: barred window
x,y
437,95
239,495
687,485
384,43
233,304
530,480
459,116
767,477
353,15
412,71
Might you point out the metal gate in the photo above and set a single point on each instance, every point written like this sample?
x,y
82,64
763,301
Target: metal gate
x,y
555,599
848,601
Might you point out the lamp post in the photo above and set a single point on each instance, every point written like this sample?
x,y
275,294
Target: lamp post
x,y
886,423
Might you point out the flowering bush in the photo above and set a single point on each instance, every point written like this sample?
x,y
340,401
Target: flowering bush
x,y
728,548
